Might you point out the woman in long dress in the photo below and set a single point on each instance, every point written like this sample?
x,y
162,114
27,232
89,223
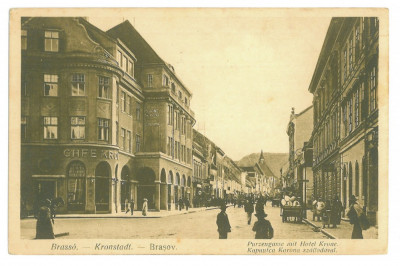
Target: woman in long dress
x,y
144,208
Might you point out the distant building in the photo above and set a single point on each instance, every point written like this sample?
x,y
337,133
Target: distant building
x,y
345,134
299,176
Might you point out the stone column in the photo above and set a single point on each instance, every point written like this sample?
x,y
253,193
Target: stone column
x,y
90,195
164,197
157,196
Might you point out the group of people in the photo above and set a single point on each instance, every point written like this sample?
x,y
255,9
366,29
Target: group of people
x,y
262,227
329,212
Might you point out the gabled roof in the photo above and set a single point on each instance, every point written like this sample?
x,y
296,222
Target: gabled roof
x,y
140,47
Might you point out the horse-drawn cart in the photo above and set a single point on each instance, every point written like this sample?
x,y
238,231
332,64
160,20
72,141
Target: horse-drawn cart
x,y
292,211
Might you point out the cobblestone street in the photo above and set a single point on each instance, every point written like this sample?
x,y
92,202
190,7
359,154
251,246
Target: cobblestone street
x,y
196,225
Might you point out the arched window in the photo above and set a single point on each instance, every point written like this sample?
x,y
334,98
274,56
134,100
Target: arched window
x,y
76,174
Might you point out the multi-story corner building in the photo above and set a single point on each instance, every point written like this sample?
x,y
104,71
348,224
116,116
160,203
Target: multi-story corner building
x,y
104,119
345,134
299,130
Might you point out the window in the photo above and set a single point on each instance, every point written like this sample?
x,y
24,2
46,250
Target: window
x,y
130,68
169,115
78,85
123,100
351,54
173,87
345,118
103,129
345,64
357,107
51,41
350,103
149,80
129,140
357,46
78,127
169,146
50,125
123,134
104,87
137,143
50,85
124,63
24,39
117,132
373,89
128,104
176,119
137,111
119,58
165,81
23,127
186,101
180,95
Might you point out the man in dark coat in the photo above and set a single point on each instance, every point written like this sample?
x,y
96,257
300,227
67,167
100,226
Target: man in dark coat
x,y
223,224
180,204
354,215
132,206
249,209
187,203
262,227
337,209
44,225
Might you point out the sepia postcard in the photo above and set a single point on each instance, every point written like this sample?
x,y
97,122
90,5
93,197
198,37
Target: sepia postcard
x,y
249,131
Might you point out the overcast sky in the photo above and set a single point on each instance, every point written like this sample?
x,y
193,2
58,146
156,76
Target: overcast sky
x,y
246,69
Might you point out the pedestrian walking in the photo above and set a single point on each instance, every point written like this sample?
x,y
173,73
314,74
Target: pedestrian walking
x,y
354,214
180,202
223,224
260,205
126,205
262,227
337,208
144,208
187,203
132,206
44,225
249,209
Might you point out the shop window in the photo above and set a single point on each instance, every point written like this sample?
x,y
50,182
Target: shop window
x,y
103,129
78,127
50,126
104,87
50,85
76,186
51,41
78,85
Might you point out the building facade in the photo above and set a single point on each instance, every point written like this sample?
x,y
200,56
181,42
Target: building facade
x,y
345,134
104,119
299,131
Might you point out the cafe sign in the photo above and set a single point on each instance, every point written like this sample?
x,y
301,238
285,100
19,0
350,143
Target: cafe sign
x,y
91,153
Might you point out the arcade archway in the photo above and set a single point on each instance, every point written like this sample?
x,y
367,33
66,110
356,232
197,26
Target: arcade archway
x,y
102,186
146,187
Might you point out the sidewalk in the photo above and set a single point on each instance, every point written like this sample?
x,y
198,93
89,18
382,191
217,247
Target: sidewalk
x,y
343,230
136,214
